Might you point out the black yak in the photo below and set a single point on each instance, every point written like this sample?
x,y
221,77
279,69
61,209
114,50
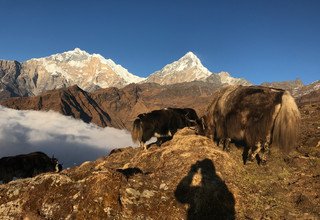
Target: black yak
x,y
255,115
162,124
27,165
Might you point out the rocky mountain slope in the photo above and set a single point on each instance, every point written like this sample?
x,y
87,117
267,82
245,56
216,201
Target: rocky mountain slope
x,y
71,101
312,96
11,85
188,177
117,107
295,87
128,102
291,85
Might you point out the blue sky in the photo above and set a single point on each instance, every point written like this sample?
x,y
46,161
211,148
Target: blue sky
x,y
257,40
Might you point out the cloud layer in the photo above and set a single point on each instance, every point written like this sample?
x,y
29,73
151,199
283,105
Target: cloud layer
x,y
71,141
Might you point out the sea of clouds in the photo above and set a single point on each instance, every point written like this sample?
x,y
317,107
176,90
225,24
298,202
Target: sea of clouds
x,y
71,141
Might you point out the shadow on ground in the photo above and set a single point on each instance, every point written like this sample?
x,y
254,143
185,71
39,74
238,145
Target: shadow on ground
x,y
206,193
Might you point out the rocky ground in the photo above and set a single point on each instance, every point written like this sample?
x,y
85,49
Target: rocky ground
x,y
188,177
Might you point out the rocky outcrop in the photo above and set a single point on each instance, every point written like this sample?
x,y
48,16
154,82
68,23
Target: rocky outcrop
x,y
302,93
188,177
293,86
310,97
11,85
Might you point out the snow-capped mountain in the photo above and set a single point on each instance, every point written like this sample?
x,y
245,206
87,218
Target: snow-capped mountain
x,y
93,71
78,67
189,68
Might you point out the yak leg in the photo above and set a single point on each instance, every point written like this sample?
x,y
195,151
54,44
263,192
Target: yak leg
x,y
226,146
253,153
265,150
245,154
143,145
159,141
224,143
161,138
264,153
221,143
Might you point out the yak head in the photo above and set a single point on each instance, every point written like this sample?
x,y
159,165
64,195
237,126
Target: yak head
x,y
204,127
190,122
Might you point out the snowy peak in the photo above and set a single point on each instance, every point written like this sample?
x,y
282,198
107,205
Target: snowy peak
x,y
73,55
191,57
188,68
189,60
78,50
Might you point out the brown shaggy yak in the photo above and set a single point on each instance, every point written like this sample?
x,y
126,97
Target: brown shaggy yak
x,y
254,115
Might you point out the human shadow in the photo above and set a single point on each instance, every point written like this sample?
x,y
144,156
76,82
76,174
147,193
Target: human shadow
x,y
206,193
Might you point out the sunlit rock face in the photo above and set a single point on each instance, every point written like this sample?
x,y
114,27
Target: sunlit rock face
x,y
11,84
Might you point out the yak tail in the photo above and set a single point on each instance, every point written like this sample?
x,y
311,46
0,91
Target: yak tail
x,y
136,133
287,124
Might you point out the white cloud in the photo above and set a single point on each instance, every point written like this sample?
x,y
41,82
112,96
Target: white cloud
x,y
71,141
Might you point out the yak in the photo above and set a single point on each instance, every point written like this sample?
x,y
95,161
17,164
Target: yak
x,y
162,124
27,165
256,116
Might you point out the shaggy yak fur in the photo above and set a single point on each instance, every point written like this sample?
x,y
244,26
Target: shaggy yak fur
x,y
255,116
27,165
162,124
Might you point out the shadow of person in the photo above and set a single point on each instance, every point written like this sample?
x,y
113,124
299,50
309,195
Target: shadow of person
x,y
205,192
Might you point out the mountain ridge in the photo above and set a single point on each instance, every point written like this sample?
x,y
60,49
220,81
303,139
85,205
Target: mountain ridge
x,y
92,71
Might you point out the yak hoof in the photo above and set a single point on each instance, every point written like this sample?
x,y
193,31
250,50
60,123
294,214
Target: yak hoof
x,y
263,162
226,148
250,159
